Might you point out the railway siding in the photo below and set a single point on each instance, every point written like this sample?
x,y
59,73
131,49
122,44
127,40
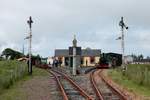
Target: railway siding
x,y
112,90
84,80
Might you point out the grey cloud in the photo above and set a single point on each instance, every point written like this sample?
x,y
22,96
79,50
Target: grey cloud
x,y
95,22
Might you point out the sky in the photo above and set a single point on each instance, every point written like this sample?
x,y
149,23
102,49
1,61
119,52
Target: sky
x,y
94,22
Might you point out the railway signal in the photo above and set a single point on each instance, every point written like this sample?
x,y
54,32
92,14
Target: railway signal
x,y
123,26
30,46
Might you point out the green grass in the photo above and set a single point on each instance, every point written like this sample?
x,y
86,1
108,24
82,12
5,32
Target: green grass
x,y
39,72
15,92
140,74
129,83
10,72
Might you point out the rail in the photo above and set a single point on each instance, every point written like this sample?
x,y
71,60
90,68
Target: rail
x,y
98,93
65,97
123,97
78,88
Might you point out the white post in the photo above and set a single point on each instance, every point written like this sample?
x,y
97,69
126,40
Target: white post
x,y
74,61
122,24
30,40
122,45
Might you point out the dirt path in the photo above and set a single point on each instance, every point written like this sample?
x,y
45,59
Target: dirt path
x,y
37,88
41,88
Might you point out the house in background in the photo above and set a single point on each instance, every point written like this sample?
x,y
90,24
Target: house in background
x,y
142,61
128,59
88,57
25,59
84,57
50,60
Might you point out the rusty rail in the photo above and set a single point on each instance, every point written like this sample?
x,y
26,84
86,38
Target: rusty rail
x,y
65,97
112,87
77,87
98,93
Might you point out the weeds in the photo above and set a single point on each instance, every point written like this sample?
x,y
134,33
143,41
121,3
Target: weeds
x,y
139,74
10,71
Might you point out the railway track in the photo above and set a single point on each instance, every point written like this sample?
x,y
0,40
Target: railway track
x,y
93,82
104,90
69,89
63,93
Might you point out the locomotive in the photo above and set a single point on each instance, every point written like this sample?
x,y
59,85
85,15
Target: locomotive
x,y
108,60
103,62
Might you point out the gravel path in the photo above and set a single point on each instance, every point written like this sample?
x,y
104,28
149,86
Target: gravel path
x,y
85,83
106,91
72,93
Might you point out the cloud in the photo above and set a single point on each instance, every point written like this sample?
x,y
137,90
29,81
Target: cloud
x,y
95,22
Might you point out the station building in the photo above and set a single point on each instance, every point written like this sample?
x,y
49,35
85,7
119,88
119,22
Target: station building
x,y
84,57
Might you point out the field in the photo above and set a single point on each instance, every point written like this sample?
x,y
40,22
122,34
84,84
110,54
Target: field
x,y
10,72
140,74
135,79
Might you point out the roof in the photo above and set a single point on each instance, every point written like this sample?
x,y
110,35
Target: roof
x,y
23,58
61,52
142,60
91,52
85,52
111,53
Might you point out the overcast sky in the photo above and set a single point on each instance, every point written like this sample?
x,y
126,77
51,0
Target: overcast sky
x,y
95,23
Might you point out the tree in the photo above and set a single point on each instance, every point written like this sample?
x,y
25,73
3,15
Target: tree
x,y
8,52
134,57
140,57
148,57
137,57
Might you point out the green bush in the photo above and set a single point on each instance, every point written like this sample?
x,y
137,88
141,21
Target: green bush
x,y
10,71
139,74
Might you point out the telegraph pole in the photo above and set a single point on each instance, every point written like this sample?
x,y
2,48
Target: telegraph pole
x,y
30,46
123,26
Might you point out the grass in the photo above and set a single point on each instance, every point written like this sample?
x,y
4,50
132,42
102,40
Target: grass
x,y
15,92
140,74
39,72
10,72
129,83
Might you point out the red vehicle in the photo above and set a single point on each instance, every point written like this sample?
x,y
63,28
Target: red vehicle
x,y
103,66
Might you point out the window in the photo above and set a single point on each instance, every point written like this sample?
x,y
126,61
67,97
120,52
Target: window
x,y
92,60
66,61
82,60
60,60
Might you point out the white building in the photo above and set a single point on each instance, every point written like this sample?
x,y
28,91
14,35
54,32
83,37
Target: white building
x,y
50,60
128,59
